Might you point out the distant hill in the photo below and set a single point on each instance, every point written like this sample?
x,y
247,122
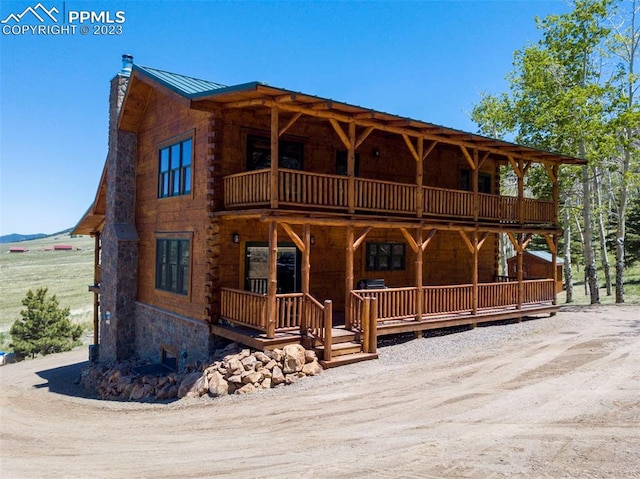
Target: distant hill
x,y
16,238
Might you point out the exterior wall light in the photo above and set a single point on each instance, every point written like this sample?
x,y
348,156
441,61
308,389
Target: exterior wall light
x,y
235,238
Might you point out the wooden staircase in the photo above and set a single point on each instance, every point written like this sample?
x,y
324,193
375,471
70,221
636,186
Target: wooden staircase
x,y
346,348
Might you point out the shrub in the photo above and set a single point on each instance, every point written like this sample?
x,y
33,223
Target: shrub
x,y
44,328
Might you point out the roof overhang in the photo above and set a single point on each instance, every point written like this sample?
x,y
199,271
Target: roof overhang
x,y
93,219
255,95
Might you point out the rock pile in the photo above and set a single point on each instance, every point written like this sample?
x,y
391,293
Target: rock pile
x,y
237,372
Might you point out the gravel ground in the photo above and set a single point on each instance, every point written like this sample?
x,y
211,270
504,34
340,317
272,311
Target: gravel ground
x,y
555,397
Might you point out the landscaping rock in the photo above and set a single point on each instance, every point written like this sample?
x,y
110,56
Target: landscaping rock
x,y
294,358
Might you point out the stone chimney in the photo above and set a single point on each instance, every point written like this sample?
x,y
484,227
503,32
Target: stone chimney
x,y
119,236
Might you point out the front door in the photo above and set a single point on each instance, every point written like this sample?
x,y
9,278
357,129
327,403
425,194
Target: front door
x,y
257,268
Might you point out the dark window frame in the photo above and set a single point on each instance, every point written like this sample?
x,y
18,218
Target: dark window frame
x,y
173,265
386,256
175,167
290,153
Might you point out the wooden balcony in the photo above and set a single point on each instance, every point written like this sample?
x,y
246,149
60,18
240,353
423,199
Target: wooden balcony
x,y
313,191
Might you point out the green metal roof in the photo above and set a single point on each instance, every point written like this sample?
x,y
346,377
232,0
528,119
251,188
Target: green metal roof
x,y
181,84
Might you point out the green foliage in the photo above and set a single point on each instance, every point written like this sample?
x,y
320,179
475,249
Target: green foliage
x,y
44,328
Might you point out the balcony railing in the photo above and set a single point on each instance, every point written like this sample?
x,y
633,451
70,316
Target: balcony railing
x,y
318,191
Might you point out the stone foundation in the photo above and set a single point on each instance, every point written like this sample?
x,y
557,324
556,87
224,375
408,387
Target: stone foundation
x,y
156,328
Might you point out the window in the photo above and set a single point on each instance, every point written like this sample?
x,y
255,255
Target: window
x,y
172,265
385,256
341,163
484,181
174,176
259,153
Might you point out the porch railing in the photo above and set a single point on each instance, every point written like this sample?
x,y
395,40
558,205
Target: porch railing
x,y
399,303
324,191
293,311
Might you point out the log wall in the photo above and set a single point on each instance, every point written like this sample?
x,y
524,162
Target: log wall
x,y
186,215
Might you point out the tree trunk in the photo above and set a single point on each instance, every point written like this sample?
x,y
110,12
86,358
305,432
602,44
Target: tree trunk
x,y
591,273
621,226
604,257
568,275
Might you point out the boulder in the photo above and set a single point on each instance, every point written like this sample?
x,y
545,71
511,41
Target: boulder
x,y
310,356
277,377
249,363
262,357
312,368
234,366
252,377
246,389
217,385
294,358
188,383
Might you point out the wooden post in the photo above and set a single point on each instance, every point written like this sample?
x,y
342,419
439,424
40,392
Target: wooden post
x,y
366,319
420,178
351,168
348,282
96,279
373,326
475,178
272,281
474,291
520,191
275,155
305,274
418,274
520,270
328,328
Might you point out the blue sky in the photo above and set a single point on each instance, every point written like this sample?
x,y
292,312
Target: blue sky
x,y
428,60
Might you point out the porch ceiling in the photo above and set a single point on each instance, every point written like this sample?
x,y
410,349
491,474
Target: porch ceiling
x,y
256,95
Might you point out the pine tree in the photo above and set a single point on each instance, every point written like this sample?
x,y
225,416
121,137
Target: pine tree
x,y
44,328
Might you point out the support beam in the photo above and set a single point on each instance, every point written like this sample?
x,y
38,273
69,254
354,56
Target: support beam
x,y
475,175
361,238
363,136
275,156
305,274
272,280
348,278
418,273
341,134
290,123
351,169
467,156
419,178
294,237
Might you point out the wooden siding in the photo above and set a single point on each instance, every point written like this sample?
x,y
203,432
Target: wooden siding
x,y
183,216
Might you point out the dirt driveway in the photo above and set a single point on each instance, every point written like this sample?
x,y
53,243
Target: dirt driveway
x,y
550,398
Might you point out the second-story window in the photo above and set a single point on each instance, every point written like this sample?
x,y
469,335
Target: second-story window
x,y
259,153
174,177
484,181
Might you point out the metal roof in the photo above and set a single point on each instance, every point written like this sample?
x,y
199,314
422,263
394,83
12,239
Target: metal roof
x,y
546,256
181,84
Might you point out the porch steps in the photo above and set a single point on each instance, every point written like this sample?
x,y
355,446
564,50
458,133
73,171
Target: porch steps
x,y
340,349
347,359
346,348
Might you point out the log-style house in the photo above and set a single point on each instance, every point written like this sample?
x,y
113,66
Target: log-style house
x,y
367,224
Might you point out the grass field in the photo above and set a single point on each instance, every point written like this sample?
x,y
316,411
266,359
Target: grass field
x,y
65,273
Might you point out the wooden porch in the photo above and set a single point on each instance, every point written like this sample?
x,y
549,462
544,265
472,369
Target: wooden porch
x,y
322,192
300,318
